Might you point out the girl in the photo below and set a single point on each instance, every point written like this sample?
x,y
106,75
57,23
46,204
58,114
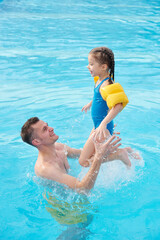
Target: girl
x,y
108,100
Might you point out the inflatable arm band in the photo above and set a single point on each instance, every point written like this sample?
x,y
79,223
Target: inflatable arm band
x,y
114,94
96,79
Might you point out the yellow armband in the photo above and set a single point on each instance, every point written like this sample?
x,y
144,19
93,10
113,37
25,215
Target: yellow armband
x,y
114,94
96,79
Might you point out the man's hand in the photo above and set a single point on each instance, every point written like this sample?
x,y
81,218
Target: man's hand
x,y
107,147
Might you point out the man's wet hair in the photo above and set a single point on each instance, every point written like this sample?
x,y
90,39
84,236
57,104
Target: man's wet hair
x,y
27,131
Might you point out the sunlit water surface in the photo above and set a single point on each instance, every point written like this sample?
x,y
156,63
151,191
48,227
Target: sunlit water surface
x,y
43,58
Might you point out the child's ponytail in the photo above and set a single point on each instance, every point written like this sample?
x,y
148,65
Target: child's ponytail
x,y
111,63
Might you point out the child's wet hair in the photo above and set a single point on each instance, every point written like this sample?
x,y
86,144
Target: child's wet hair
x,y
105,55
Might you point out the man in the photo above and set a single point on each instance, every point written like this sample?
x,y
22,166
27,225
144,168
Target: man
x,y
52,158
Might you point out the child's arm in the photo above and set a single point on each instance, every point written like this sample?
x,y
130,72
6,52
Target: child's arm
x,y
101,131
87,107
112,114
116,100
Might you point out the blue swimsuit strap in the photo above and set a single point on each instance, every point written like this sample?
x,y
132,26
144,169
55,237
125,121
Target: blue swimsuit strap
x,y
102,82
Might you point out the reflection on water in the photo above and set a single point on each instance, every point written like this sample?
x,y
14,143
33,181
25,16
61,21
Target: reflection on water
x,y
76,214
79,211
74,233
43,54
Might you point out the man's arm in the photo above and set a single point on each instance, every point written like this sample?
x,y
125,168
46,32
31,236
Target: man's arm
x,y
89,179
85,184
73,152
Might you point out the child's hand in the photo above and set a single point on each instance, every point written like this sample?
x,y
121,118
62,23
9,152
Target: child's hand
x,y
86,107
101,133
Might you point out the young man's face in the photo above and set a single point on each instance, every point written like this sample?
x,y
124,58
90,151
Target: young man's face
x,y
44,134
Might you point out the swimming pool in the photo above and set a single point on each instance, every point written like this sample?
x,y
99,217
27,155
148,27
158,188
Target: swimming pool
x,y
43,55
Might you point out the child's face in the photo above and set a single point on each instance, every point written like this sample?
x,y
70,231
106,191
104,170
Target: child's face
x,y
94,67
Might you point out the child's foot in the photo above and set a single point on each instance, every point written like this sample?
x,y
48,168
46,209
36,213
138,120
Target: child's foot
x,y
132,153
123,155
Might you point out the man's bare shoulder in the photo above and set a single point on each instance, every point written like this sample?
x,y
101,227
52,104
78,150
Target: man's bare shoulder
x,y
40,168
45,170
59,146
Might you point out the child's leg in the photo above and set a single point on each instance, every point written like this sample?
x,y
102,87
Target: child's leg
x,y
87,152
120,154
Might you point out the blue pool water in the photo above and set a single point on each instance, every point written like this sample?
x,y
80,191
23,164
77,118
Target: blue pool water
x,y
43,57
